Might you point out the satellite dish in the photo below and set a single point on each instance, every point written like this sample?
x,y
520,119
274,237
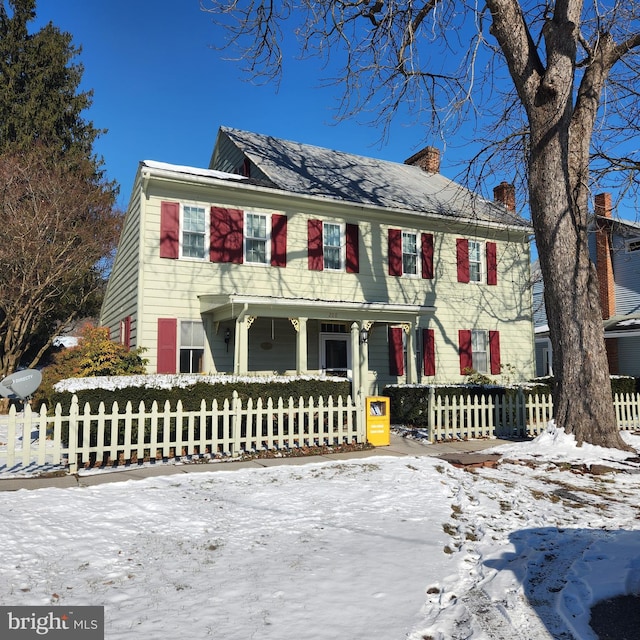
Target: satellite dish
x,y
20,384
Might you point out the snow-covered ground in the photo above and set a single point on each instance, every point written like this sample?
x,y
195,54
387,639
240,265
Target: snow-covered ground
x,y
370,549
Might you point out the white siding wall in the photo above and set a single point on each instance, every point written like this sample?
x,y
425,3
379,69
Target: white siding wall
x,y
122,290
626,267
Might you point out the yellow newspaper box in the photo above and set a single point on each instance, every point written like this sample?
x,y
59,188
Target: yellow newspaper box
x,y
378,421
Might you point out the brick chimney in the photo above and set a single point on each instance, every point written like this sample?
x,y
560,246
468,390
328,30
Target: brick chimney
x,y
604,263
505,193
428,160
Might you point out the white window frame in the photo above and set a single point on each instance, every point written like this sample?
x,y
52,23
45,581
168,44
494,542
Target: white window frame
x,y
190,347
205,233
480,261
632,245
478,355
267,239
342,247
415,254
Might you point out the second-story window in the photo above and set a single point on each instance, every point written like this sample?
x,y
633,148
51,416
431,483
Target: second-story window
x,y
409,253
194,228
475,261
256,239
332,234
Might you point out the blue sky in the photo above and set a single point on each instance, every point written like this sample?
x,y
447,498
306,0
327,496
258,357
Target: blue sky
x,y
162,91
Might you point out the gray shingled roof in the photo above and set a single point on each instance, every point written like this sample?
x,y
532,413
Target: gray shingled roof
x,y
310,170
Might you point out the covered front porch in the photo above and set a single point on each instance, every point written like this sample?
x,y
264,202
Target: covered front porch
x,y
252,334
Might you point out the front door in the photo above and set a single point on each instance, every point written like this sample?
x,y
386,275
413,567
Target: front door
x,y
335,354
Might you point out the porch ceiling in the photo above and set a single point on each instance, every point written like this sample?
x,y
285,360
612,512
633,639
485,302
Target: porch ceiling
x,y
229,307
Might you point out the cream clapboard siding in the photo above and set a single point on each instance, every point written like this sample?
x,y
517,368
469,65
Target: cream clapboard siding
x,y
121,298
171,287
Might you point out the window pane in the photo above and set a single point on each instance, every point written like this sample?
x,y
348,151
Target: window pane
x,y
331,258
480,362
409,264
191,334
193,245
408,243
332,235
191,360
256,226
256,251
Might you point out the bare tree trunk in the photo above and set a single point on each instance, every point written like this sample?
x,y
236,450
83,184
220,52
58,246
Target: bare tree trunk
x,y
559,209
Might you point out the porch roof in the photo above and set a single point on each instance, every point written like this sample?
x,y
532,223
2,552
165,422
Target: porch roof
x,y
231,306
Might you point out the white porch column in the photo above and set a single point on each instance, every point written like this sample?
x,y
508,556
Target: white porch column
x,y
241,350
300,325
356,391
365,382
412,370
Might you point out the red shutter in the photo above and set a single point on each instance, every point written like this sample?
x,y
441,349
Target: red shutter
x,y
167,345
494,351
314,239
227,234
429,351
278,240
353,248
126,337
395,252
396,352
427,255
462,257
492,263
169,230
466,354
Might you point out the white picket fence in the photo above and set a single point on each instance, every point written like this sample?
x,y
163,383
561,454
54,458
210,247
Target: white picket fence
x,y
471,417
82,438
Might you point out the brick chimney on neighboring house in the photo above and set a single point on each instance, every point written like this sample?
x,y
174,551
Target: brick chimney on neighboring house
x,y
428,160
604,263
505,193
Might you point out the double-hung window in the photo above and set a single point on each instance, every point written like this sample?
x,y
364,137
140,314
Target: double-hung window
x,y
191,346
475,261
194,232
256,238
479,350
409,253
332,246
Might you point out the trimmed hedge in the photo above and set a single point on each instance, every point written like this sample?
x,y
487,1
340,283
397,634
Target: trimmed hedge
x,y
409,404
192,395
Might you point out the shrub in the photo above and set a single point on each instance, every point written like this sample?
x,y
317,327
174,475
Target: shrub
x,y
95,355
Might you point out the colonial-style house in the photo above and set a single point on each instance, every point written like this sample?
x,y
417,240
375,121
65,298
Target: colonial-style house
x,y
287,258
614,246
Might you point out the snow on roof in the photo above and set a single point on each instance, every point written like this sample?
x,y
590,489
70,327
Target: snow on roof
x,y
307,169
194,171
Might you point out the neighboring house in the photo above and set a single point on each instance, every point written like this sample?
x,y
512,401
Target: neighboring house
x,y
292,259
614,246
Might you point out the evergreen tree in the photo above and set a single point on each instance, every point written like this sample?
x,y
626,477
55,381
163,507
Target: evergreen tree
x,y
39,98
